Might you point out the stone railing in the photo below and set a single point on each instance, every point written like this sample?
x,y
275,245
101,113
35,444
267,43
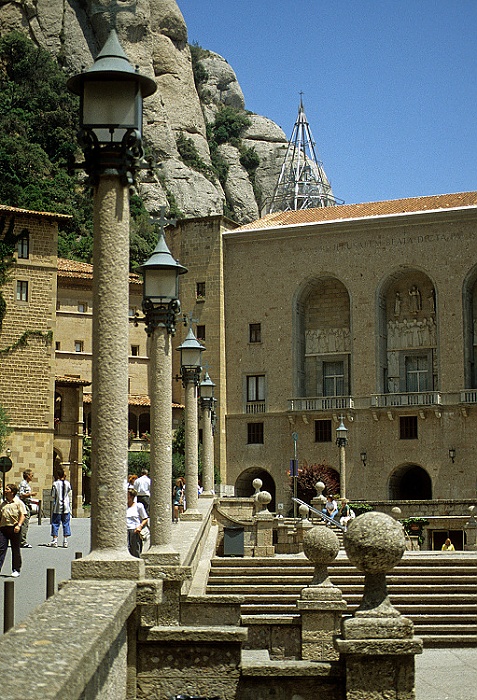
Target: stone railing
x,y
75,645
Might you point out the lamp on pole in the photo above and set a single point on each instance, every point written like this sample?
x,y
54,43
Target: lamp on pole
x,y
111,94
191,366
161,306
341,441
206,392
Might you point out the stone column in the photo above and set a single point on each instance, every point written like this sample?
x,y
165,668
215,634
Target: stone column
x,y
321,604
191,452
471,531
109,557
208,451
161,551
377,643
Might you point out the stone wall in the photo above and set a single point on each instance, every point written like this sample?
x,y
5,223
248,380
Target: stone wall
x,y
27,367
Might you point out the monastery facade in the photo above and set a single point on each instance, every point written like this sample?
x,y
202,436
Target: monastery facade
x,y
364,312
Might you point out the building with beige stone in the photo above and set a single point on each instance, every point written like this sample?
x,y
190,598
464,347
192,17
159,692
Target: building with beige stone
x,y
365,311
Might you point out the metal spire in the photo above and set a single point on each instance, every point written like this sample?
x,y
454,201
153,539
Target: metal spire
x,y
302,183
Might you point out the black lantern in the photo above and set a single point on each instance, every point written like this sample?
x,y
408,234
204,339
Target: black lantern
x,y
111,95
191,359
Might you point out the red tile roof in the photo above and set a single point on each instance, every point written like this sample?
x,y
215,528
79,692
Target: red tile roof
x,y
365,210
46,214
82,270
134,401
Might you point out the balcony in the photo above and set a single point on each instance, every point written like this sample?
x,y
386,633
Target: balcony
x,y
321,403
468,396
255,407
420,398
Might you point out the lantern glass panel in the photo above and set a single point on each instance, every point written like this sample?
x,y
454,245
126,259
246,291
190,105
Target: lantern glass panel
x,y
160,284
191,357
110,105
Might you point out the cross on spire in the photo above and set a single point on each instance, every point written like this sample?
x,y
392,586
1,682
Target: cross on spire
x,y
113,8
162,220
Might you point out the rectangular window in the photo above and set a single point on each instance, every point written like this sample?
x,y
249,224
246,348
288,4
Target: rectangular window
x,y
255,433
408,428
417,373
255,332
79,346
22,290
200,290
57,345
23,247
135,350
82,307
200,333
256,388
322,431
333,378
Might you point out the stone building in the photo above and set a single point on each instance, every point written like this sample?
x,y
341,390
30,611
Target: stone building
x,y
27,368
365,311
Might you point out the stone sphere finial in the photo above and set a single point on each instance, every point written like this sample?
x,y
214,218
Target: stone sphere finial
x,y
321,547
257,484
375,542
396,512
264,498
303,511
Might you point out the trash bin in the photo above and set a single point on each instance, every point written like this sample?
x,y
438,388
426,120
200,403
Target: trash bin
x,y
233,542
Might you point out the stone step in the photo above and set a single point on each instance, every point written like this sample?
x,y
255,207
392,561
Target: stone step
x,y
218,585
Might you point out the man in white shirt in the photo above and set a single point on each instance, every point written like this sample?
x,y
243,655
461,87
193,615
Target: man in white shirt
x,y
142,486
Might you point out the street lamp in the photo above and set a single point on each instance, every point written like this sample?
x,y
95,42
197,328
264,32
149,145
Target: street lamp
x,y
206,392
191,366
161,306
341,441
111,93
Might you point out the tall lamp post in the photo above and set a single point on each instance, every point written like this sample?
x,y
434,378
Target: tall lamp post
x,y
161,306
191,366
111,94
206,390
341,441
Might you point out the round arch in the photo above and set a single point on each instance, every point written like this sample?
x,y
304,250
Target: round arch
x,y
410,482
244,487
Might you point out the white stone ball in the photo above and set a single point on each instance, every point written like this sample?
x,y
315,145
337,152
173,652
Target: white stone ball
x,y
374,542
303,510
257,484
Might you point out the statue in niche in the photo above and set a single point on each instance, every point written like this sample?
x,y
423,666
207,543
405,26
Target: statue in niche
x,y
415,299
397,304
432,301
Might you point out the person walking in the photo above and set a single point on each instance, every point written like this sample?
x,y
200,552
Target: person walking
x,y
25,494
12,515
136,520
61,493
142,486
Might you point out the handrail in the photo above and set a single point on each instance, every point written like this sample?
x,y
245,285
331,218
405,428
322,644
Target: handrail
x,y
326,518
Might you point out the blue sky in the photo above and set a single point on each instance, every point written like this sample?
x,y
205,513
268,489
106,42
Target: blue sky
x,y
390,86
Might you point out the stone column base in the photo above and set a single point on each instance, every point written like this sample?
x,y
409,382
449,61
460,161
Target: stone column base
x,y
108,564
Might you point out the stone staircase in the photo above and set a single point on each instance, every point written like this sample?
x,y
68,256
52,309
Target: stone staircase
x,y
438,592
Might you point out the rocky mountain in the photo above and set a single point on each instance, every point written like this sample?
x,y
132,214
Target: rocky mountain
x,y
201,167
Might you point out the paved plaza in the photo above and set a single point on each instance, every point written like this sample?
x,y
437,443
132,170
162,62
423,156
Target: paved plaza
x,y
442,674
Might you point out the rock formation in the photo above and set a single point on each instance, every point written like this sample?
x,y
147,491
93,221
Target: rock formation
x,y
154,36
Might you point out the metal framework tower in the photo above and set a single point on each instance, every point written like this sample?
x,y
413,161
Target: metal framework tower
x,y
302,183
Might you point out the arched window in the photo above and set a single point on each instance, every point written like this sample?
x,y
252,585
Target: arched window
x,y
407,328
322,339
